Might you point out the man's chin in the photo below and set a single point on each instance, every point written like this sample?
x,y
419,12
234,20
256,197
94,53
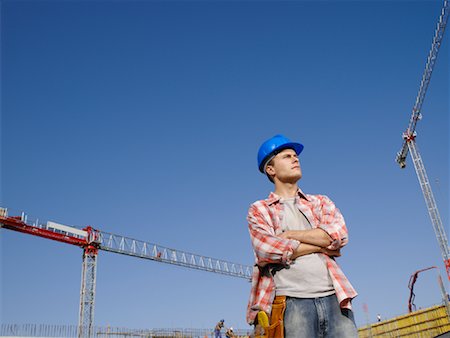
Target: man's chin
x,y
293,179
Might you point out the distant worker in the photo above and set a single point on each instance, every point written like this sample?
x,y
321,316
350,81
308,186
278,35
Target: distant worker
x,y
296,237
229,333
218,328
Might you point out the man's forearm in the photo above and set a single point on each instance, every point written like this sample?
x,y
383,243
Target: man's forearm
x,y
306,249
316,237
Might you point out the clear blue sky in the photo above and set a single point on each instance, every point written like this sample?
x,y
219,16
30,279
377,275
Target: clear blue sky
x,y
143,119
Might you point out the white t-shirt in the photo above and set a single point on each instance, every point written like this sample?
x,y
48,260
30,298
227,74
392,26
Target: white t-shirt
x,y
307,276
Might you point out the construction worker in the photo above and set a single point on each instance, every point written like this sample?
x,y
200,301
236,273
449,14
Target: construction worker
x,y
218,328
229,333
296,237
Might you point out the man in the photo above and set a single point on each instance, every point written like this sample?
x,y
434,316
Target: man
x,y
218,328
229,333
295,238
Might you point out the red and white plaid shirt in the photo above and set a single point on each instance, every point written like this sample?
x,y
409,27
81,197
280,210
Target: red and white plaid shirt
x,y
264,218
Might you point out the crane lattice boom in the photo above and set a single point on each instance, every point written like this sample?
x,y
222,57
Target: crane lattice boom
x,y
141,249
409,134
124,245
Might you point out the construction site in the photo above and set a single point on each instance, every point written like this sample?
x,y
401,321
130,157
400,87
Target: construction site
x,y
94,241
430,322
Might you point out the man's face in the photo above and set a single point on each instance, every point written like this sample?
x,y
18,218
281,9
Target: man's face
x,y
285,167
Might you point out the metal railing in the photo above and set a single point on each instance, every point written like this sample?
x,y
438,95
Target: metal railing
x,y
49,330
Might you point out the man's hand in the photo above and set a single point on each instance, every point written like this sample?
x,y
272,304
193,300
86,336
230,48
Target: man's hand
x,y
331,253
286,235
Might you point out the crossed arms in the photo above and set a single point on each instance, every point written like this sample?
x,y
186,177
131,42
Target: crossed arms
x,y
311,241
328,235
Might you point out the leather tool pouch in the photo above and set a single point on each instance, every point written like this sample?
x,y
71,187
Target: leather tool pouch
x,y
276,326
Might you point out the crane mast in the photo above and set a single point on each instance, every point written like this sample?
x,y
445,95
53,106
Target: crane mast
x,y
88,285
409,139
92,240
431,205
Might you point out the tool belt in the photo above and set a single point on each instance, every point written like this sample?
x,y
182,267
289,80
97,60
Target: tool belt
x,y
275,327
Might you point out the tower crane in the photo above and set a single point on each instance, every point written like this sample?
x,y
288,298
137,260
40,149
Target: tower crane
x,y
92,240
409,139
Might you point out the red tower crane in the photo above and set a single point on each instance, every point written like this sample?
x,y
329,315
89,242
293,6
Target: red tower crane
x,y
92,240
409,140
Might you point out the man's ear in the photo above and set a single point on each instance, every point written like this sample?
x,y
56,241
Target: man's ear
x,y
270,170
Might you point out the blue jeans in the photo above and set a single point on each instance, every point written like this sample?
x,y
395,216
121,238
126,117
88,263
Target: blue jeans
x,y
318,318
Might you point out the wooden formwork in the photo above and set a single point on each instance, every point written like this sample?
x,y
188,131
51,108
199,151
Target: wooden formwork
x,y
424,323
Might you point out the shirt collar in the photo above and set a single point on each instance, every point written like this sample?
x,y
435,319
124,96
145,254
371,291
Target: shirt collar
x,y
274,198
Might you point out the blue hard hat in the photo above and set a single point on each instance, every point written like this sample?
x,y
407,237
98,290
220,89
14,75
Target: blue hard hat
x,y
273,146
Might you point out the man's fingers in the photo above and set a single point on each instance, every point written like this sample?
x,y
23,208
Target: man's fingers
x,y
284,235
331,253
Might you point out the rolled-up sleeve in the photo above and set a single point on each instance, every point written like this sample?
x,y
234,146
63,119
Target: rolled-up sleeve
x,y
332,222
268,247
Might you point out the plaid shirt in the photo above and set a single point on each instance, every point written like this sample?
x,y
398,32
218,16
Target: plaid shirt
x,y
264,218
